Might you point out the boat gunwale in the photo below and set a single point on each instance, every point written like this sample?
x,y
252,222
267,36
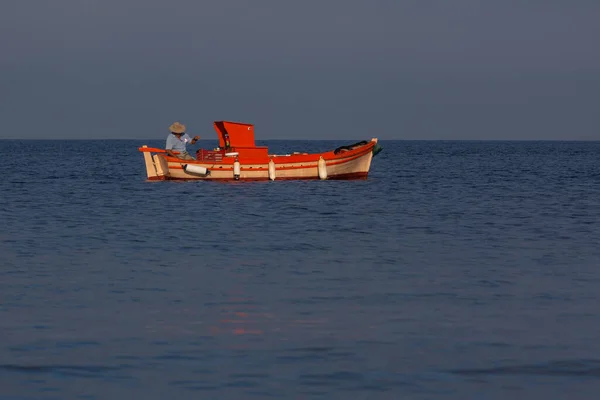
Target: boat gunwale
x,y
279,160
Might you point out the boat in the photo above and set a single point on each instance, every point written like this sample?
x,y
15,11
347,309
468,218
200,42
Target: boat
x,y
238,158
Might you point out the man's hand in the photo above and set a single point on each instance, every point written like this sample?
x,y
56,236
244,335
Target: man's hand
x,y
196,138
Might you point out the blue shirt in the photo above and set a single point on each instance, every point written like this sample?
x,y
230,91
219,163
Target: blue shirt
x,y
177,143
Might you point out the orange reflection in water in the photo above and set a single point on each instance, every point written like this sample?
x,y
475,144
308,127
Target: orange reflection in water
x,y
242,315
240,318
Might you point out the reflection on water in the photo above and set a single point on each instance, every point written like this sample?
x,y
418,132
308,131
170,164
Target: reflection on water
x,y
247,321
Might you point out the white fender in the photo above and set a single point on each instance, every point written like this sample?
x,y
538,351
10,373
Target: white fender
x,y
271,170
195,169
322,167
236,170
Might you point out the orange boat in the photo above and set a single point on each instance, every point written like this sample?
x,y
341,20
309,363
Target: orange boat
x,y
238,158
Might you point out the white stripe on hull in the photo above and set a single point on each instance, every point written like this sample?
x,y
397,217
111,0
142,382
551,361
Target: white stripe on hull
x,y
337,167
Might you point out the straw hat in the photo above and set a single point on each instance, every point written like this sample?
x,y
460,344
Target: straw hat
x,y
177,127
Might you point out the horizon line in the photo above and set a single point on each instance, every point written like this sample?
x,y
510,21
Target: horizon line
x,y
324,140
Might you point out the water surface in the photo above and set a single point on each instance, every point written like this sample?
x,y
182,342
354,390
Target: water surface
x,y
457,270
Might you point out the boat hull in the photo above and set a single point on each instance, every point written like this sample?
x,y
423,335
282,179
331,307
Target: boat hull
x,y
352,164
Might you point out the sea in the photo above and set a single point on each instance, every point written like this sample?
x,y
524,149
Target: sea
x,y
457,270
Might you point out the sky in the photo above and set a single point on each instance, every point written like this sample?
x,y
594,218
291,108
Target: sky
x,y
327,69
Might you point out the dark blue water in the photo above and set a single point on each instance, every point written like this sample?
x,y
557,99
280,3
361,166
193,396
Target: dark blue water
x,y
458,270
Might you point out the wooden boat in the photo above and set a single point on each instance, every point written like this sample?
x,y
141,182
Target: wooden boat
x,y
238,158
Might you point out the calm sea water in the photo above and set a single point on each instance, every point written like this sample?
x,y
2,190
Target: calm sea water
x,y
458,270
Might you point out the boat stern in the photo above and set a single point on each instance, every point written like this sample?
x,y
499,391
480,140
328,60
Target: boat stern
x,y
157,168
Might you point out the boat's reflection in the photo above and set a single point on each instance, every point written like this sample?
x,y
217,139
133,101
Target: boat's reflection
x,y
247,322
237,313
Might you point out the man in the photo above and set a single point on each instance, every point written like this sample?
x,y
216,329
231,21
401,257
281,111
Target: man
x,y
178,140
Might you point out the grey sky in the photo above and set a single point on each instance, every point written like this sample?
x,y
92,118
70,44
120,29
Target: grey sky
x,y
330,69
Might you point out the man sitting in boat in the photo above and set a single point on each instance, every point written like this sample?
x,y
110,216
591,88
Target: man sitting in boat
x,y
178,140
